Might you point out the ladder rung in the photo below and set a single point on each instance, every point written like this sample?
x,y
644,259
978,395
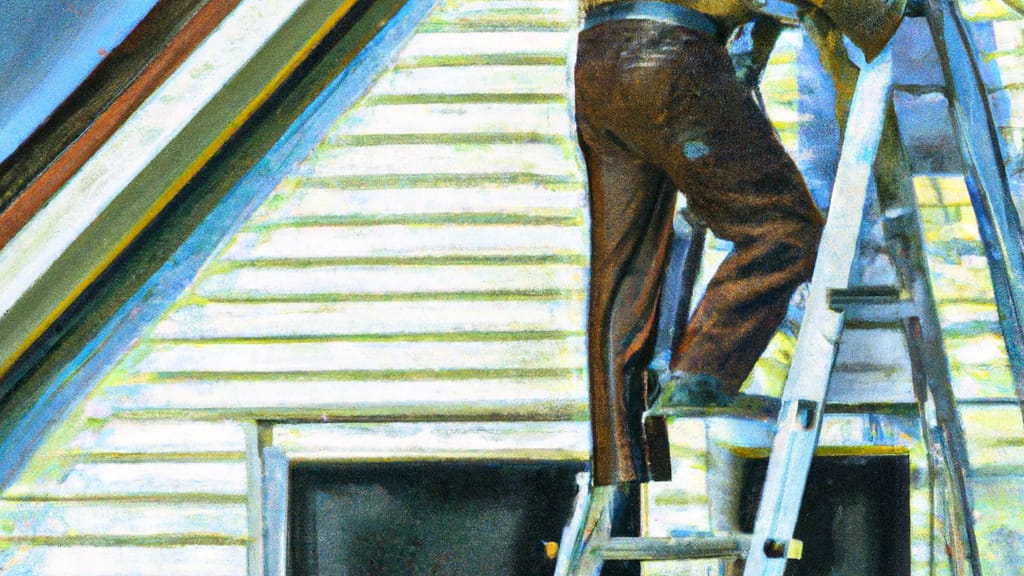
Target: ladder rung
x,y
689,548
839,299
871,304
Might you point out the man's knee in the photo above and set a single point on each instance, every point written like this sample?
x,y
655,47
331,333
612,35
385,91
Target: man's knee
x,y
791,250
807,239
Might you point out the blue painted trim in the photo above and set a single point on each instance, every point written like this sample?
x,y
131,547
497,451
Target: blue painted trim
x,y
129,324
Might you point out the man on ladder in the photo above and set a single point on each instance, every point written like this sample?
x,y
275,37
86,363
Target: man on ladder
x,y
659,108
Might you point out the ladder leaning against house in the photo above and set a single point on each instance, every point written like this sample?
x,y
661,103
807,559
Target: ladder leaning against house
x,y
872,155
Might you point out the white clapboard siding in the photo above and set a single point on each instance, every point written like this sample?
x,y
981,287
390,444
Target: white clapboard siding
x,y
520,15
328,356
480,81
415,289
312,204
468,44
395,241
302,319
995,437
526,398
158,437
401,159
986,10
435,441
106,521
548,118
1006,34
1004,70
29,560
217,480
397,280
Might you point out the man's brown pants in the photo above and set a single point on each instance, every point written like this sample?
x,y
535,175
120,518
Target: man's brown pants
x,y
658,108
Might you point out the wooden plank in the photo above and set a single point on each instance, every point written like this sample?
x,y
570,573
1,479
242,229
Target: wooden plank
x,y
966,281
978,349
957,313
40,522
519,15
435,441
525,398
318,204
140,480
397,241
473,80
26,560
457,118
127,152
120,437
134,480
299,319
553,160
140,169
433,44
104,100
327,356
354,281
994,424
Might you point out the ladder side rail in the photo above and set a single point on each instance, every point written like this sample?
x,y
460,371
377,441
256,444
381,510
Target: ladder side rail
x,y
574,534
903,230
958,527
912,329
799,423
984,167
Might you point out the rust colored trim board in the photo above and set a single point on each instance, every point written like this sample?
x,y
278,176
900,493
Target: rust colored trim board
x,y
40,190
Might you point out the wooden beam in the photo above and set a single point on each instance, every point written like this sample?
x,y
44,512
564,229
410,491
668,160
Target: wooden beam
x,y
94,111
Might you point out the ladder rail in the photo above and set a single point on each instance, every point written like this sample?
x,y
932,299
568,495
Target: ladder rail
x,y
942,429
872,154
984,168
799,423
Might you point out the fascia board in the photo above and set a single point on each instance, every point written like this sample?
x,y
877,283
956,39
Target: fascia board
x,y
108,202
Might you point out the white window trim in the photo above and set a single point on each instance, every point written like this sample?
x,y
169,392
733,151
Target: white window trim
x,y
285,445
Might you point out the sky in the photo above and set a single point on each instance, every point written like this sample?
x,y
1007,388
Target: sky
x,y
48,47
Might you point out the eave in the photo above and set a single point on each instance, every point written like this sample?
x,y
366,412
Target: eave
x,y
144,164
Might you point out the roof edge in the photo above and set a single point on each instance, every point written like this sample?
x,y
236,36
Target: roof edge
x,y
96,108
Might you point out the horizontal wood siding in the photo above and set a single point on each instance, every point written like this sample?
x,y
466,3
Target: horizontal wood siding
x,y
426,263
416,289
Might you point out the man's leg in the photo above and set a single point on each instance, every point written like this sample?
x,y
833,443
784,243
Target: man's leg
x,y
631,219
631,208
722,152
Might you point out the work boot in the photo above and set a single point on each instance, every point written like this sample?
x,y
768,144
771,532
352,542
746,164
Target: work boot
x,y
685,394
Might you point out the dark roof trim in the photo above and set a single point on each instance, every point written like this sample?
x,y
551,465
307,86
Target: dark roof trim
x,y
94,111
90,339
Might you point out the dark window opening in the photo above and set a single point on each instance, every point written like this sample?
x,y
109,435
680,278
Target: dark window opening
x,y
854,519
426,519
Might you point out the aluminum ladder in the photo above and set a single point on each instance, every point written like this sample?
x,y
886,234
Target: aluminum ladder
x,y
872,153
